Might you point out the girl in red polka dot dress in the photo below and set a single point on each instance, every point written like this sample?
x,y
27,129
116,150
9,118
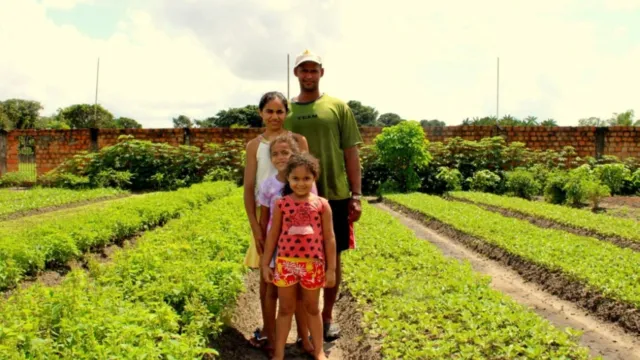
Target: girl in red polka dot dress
x,y
302,231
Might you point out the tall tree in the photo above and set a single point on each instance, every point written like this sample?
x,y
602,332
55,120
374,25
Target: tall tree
x,y
592,121
434,122
20,113
389,119
549,122
244,116
4,119
83,116
127,123
530,121
622,119
365,115
182,121
51,122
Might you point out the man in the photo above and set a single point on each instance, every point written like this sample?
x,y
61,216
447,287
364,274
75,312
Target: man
x,y
332,134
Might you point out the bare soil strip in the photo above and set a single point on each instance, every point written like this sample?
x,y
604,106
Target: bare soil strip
x,y
48,209
550,224
602,337
233,343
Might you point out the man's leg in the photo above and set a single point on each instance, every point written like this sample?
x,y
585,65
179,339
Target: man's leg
x,y
340,211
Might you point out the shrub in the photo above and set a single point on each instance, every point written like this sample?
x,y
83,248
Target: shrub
x,y
452,178
521,183
374,172
635,182
594,192
16,178
485,181
613,175
554,189
143,165
403,148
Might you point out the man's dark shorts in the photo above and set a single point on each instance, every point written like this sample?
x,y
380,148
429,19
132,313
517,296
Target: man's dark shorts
x,y
340,212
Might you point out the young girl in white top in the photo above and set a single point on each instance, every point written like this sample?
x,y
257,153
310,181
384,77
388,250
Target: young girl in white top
x,y
273,108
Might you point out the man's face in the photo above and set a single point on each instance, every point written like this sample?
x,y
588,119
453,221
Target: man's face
x,y
309,74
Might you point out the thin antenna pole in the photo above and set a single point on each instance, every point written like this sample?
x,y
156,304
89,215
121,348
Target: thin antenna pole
x,y
498,91
95,105
288,98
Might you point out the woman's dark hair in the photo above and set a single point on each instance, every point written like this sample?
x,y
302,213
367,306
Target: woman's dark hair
x,y
272,95
303,159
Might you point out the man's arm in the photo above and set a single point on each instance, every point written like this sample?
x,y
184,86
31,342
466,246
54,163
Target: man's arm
x,y
354,174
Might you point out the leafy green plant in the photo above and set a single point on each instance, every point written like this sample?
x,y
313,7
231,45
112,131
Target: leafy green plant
x,y
420,304
485,181
604,225
32,244
404,149
613,176
600,265
554,189
452,178
521,183
374,171
165,298
12,202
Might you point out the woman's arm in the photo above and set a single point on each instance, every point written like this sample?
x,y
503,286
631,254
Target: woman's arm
x,y
264,219
249,184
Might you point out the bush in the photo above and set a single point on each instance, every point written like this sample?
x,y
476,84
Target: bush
x,y
521,183
594,192
554,189
484,181
452,178
16,178
403,148
143,165
613,175
635,182
374,172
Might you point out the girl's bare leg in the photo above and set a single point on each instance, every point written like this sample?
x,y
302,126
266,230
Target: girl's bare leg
x,y
310,299
302,322
287,297
269,315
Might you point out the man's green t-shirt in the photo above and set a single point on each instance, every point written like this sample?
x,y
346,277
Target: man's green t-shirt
x,y
330,127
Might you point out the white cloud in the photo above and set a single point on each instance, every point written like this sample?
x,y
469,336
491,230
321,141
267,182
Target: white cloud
x,y
63,4
418,59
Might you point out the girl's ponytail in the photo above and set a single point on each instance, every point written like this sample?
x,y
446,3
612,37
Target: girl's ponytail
x,y
286,190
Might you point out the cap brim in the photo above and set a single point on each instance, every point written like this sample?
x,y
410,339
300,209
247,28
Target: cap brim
x,y
307,60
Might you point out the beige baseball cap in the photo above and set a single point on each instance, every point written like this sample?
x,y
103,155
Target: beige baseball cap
x,y
307,55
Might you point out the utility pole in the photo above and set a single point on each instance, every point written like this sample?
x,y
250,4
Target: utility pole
x,y
498,91
288,98
95,105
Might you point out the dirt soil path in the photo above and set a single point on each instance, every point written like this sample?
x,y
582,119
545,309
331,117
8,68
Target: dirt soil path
x,y
233,342
603,339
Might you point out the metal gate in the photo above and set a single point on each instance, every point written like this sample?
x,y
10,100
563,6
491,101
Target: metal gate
x,y
27,157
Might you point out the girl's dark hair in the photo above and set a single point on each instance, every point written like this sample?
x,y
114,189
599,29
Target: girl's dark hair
x,y
285,138
302,159
272,95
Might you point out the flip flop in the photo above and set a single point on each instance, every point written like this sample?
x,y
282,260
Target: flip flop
x,y
299,344
331,331
256,341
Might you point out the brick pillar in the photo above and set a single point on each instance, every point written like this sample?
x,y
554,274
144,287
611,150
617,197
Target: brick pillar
x,y
3,152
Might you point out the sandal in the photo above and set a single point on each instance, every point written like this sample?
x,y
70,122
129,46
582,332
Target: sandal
x,y
331,331
256,341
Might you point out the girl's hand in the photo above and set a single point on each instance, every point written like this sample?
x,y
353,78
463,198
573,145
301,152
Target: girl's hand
x,y
267,273
330,279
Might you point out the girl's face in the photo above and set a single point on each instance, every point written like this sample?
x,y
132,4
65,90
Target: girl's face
x,y
280,154
273,114
301,181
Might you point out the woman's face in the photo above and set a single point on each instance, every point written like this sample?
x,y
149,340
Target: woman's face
x,y
273,114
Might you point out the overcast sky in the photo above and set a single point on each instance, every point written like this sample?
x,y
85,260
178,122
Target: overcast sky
x,y
560,59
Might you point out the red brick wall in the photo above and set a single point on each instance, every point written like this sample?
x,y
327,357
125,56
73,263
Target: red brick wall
x,y
53,146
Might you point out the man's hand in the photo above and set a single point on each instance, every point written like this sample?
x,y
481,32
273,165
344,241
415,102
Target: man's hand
x,y
330,279
355,210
